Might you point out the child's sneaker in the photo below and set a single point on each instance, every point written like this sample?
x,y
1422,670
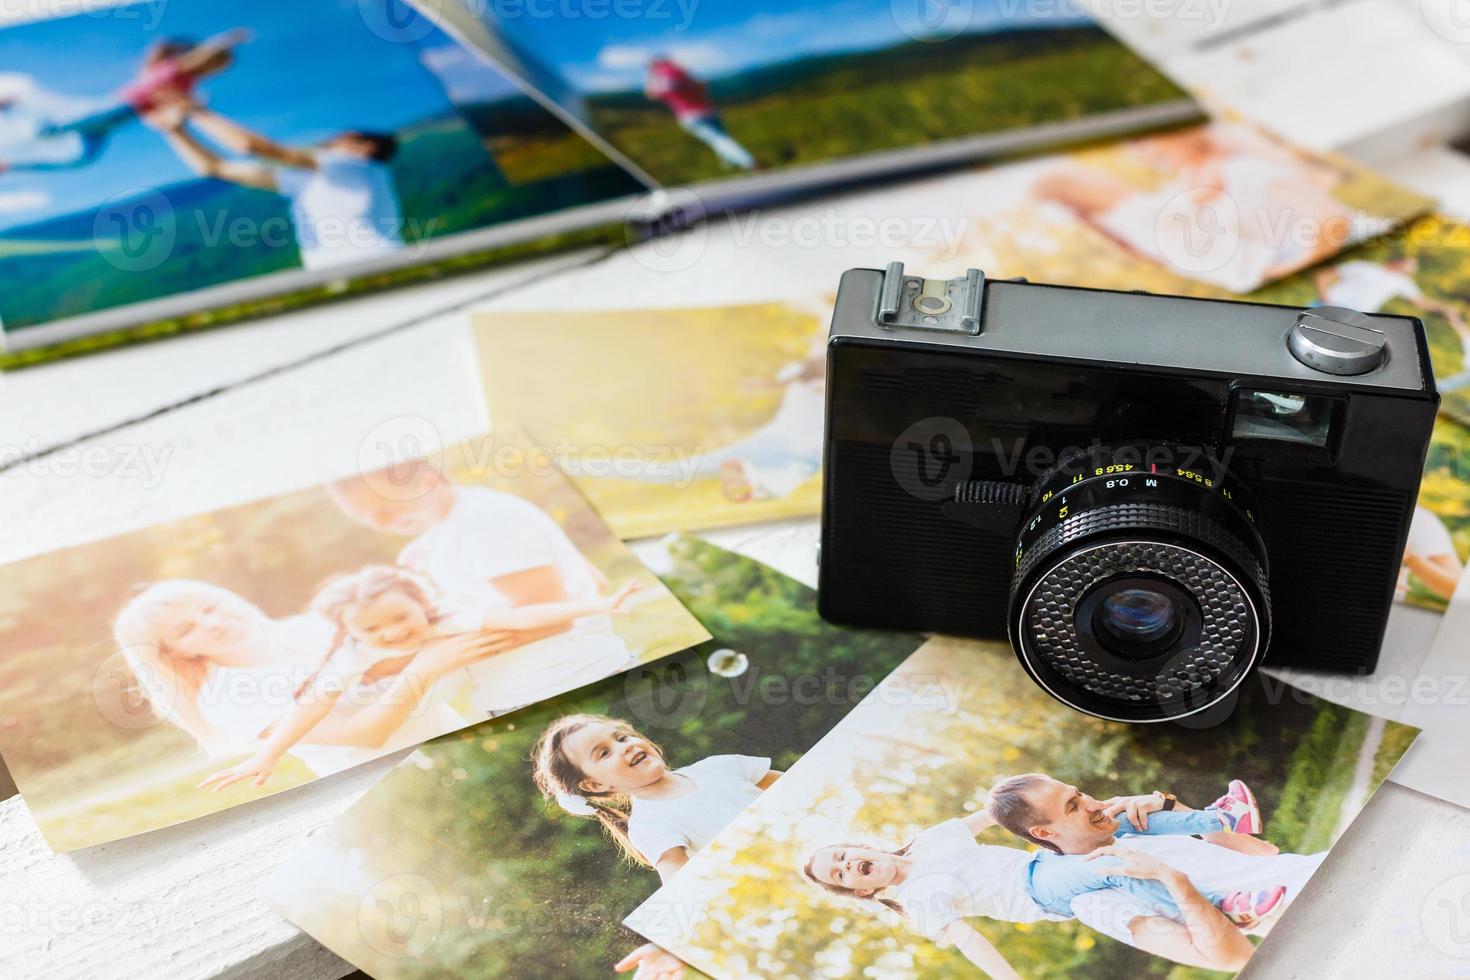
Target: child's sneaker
x,y
1252,909
1238,809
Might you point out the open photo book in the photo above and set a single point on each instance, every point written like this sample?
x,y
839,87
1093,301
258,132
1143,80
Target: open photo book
x,y
169,168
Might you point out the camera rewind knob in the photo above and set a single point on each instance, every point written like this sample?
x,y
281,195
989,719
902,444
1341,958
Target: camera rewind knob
x,y
1337,340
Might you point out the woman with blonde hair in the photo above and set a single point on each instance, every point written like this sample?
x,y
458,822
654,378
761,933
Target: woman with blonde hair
x,y
386,617
217,667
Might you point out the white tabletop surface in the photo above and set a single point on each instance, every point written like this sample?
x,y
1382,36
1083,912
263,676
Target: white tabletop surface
x,y
262,408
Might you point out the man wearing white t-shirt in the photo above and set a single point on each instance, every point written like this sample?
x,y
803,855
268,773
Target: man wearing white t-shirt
x,y
1061,818
487,548
344,206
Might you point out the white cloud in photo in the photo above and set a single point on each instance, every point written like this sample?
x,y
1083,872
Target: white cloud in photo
x,y
17,202
634,58
465,77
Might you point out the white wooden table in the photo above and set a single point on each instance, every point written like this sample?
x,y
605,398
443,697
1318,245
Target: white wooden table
x,y
263,408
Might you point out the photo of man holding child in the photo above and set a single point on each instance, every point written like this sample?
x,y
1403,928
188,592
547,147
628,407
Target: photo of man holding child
x,y
961,820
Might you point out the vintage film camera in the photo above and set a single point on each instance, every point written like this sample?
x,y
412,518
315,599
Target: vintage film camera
x,y
1148,494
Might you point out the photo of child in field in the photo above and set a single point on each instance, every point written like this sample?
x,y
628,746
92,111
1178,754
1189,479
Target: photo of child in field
x,y
669,419
1001,831
724,88
232,655
545,827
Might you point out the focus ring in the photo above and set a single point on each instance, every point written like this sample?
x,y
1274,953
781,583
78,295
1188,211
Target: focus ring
x,y
1135,518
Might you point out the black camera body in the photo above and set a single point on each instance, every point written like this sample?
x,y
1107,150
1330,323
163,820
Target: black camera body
x,y
1149,495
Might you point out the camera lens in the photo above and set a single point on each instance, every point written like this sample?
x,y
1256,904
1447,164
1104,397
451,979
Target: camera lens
x,y
1140,584
1137,618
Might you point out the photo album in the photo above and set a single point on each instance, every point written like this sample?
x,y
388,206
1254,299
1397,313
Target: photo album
x,y
168,167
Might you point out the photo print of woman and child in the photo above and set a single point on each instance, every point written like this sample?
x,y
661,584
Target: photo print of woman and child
x,y
231,655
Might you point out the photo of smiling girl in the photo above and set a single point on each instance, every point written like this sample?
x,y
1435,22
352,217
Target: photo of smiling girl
x,y
601,768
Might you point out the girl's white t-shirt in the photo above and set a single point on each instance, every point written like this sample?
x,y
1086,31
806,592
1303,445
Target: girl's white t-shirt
x,y
724,785
432,717
956,877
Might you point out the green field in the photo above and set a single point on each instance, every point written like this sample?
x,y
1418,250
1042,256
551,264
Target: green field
x,y
446,182
917,94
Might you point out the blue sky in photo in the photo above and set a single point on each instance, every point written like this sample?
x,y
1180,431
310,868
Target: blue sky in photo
x,y
314,68
719,37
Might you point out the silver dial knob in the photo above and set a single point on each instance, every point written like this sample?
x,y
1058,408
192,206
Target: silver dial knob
x,y
1337,340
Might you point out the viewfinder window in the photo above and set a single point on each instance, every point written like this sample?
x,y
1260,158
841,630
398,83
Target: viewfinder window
x,y
1284,417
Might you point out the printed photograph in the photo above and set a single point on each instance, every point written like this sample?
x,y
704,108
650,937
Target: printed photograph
x,y
1208,210
150,150
1422,270
960,822
670,419
229,656
515,849
689,92
1439,534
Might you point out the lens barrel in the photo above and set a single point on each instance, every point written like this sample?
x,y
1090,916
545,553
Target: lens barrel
x,y
1139,591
